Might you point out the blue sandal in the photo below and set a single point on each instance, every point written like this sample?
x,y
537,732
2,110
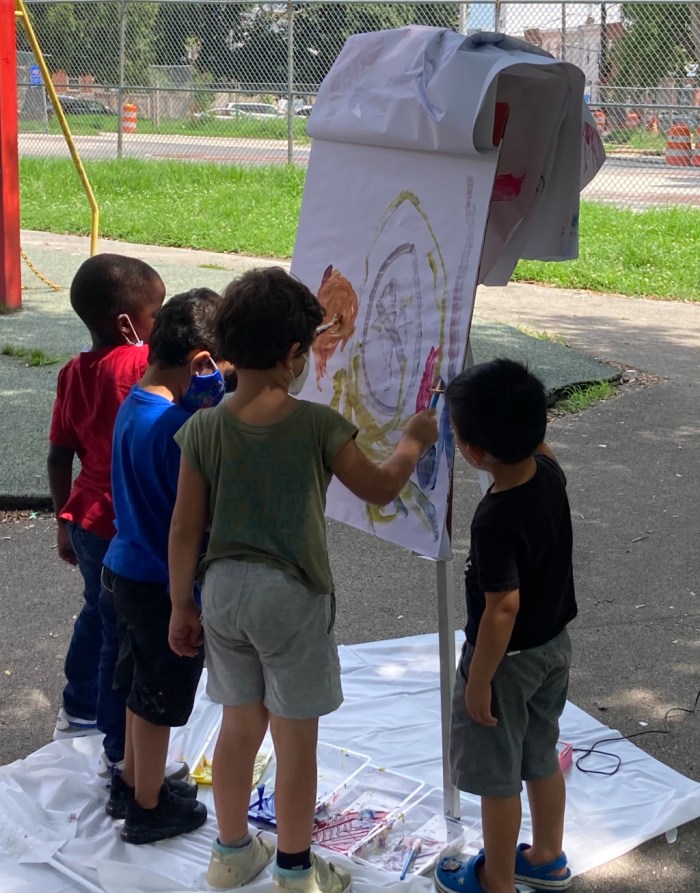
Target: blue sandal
x,y
459,875
541,877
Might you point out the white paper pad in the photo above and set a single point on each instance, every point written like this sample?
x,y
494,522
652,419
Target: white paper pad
x,y
56,837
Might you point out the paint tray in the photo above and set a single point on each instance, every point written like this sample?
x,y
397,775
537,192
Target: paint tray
x,y
337,766
362,807
201,771
387,847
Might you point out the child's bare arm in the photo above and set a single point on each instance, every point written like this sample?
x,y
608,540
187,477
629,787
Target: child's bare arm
x,y
379,484
60,469
495,629
544,449
187,528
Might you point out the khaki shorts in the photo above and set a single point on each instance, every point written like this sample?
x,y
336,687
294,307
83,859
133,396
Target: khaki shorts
x,y
528,694
267,637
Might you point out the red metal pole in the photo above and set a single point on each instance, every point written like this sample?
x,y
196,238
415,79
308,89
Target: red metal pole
x,y
10,273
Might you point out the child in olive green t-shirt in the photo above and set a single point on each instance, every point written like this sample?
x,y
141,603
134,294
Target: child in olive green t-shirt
x,y
256,470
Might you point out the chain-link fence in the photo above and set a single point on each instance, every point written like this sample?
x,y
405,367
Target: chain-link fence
x,y
234,82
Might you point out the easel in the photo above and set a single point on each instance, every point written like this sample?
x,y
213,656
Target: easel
x,y
445,579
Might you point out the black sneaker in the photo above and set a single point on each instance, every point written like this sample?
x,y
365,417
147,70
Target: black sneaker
x,y
120,794
172,816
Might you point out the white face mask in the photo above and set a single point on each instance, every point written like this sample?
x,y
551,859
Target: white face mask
x,y
296,385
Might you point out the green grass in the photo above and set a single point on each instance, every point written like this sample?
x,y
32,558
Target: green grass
x,y
218,207
32,355
641,140
543,335
580,397
243,127
651,253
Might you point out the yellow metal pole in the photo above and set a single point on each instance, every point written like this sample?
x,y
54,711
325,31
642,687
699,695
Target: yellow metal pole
x,y
21,13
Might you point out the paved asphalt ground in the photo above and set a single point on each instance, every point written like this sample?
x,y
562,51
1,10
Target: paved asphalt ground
x,y
633,464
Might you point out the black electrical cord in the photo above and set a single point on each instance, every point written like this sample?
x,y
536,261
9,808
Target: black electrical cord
x,y
587,752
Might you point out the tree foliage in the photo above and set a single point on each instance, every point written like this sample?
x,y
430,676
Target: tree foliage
x,y
657,44
83,38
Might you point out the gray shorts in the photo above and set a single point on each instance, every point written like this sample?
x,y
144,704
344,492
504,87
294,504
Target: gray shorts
x,y
528,696
269,638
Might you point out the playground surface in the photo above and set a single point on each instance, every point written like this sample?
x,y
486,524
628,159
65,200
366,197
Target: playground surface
x,y
633,465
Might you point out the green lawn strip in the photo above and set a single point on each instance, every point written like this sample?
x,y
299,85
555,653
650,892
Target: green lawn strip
x,y
217,207
242,127
651,253
254,210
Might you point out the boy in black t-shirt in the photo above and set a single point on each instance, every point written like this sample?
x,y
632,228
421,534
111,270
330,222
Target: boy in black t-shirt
x,y
513,676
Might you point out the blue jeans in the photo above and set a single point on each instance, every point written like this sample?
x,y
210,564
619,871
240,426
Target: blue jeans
x,y
93,649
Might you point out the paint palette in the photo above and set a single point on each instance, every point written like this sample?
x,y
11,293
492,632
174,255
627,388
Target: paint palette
x,y
337,766
387,847
363,806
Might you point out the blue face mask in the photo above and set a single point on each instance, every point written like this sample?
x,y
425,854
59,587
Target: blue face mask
x,y
204,392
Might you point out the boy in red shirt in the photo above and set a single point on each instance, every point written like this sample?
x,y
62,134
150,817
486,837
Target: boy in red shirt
x,y
117,298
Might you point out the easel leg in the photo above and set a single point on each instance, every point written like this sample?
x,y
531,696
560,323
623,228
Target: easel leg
x,y
446,635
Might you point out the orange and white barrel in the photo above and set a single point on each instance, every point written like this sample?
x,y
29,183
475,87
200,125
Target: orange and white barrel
x,y
599,118
695,158
679,145
129,115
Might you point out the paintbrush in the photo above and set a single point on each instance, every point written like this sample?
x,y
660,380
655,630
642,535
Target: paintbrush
x,y
414,848
436,391
337,320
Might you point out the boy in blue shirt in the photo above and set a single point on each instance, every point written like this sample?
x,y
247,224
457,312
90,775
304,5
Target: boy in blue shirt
x,y
159,686
513,675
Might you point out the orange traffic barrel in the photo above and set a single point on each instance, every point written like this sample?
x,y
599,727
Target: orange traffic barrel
x,y
695,158
599,118
129,111
679,145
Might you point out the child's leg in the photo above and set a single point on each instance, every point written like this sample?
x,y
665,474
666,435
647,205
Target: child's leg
x,y
242,732
500,819
295,785
547,797
150,743
111,704
82,658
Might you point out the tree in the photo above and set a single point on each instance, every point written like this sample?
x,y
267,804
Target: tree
x,y
658,43
320,30
83,38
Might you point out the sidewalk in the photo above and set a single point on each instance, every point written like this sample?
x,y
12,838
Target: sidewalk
x,y
633,467
47,322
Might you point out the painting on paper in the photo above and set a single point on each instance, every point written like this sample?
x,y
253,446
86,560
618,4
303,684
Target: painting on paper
x,y
391,241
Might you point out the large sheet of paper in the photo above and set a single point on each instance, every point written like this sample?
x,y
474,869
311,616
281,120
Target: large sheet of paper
x,y
399,198
395,255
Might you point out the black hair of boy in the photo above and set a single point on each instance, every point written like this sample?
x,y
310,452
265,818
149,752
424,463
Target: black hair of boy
x,y
107,285
264,313
186,322
500,407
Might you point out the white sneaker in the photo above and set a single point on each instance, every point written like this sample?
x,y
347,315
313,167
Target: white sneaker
x,y
322,877
229,869
178,770
68,726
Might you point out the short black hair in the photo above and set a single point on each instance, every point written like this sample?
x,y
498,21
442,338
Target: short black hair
x,y
186,322
500,407
107,285
263,314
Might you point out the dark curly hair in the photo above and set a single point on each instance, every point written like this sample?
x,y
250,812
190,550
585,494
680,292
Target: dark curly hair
x,y
263,314
500,407
186,322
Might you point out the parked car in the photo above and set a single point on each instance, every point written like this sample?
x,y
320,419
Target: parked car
x,y
76,105
304,111
253,110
